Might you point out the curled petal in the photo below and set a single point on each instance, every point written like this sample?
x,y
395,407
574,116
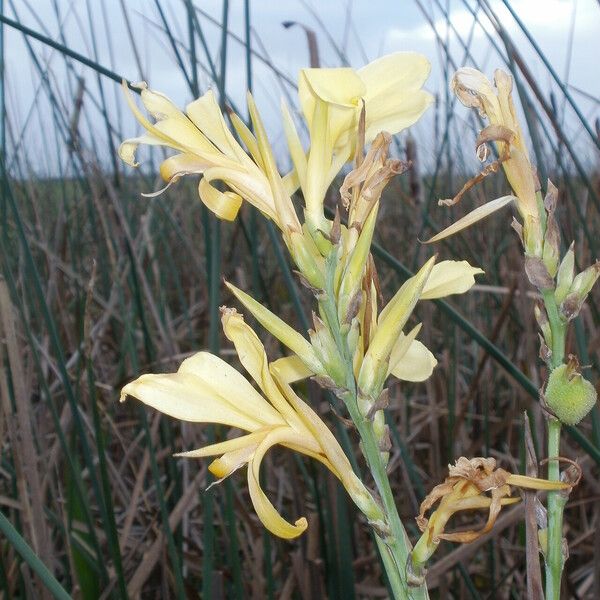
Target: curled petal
x,y
128,148
474,90
232,461
253,187
266,512
225,205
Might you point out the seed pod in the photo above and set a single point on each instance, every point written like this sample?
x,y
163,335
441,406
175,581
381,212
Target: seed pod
x,y
569,395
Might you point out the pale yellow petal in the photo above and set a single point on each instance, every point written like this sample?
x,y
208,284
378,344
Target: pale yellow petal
x,y
295,341
128,148
291,183
225,205
231,461
182,164
185,136
340,89
417,364
406,297
284,212
390,323
159,105
252,355
266,512
319,432
176,130
225,381
187,398
340,86
251,439
290,369
401,346
248,138
450,277
394,100
207,117
475,215
252,187
318,163
294,145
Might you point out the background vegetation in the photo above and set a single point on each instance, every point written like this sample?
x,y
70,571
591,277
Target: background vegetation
x,y
100,285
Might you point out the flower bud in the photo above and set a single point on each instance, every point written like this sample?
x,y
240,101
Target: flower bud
x,y
532,236
326,350
308,258
569,395
542,320
579,290
565,275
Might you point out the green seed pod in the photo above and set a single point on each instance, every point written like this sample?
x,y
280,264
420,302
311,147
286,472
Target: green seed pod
x,y
569,395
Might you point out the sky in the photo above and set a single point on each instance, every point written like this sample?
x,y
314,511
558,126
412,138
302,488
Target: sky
x,y
567,32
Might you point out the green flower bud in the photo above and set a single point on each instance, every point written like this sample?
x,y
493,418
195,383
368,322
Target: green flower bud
x,y
569,395
307,257
566,273
579,290
326,350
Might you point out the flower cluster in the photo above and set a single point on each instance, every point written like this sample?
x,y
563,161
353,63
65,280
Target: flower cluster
x,y
355,343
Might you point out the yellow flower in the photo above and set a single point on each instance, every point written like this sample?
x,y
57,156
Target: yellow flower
x,y
207,147
206,389
332,100
386,349
376,340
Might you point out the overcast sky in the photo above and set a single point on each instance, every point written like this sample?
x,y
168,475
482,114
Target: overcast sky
x,y
567,31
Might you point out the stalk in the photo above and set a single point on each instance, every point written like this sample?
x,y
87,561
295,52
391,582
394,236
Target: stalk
x,y
556,502
393,544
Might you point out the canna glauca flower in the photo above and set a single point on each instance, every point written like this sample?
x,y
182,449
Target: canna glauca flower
x,y
474,90
378,346
376,340
206,146
205,389
390,91
474,484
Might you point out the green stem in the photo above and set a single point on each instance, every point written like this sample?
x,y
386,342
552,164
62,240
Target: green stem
x,y
396,547
556,502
